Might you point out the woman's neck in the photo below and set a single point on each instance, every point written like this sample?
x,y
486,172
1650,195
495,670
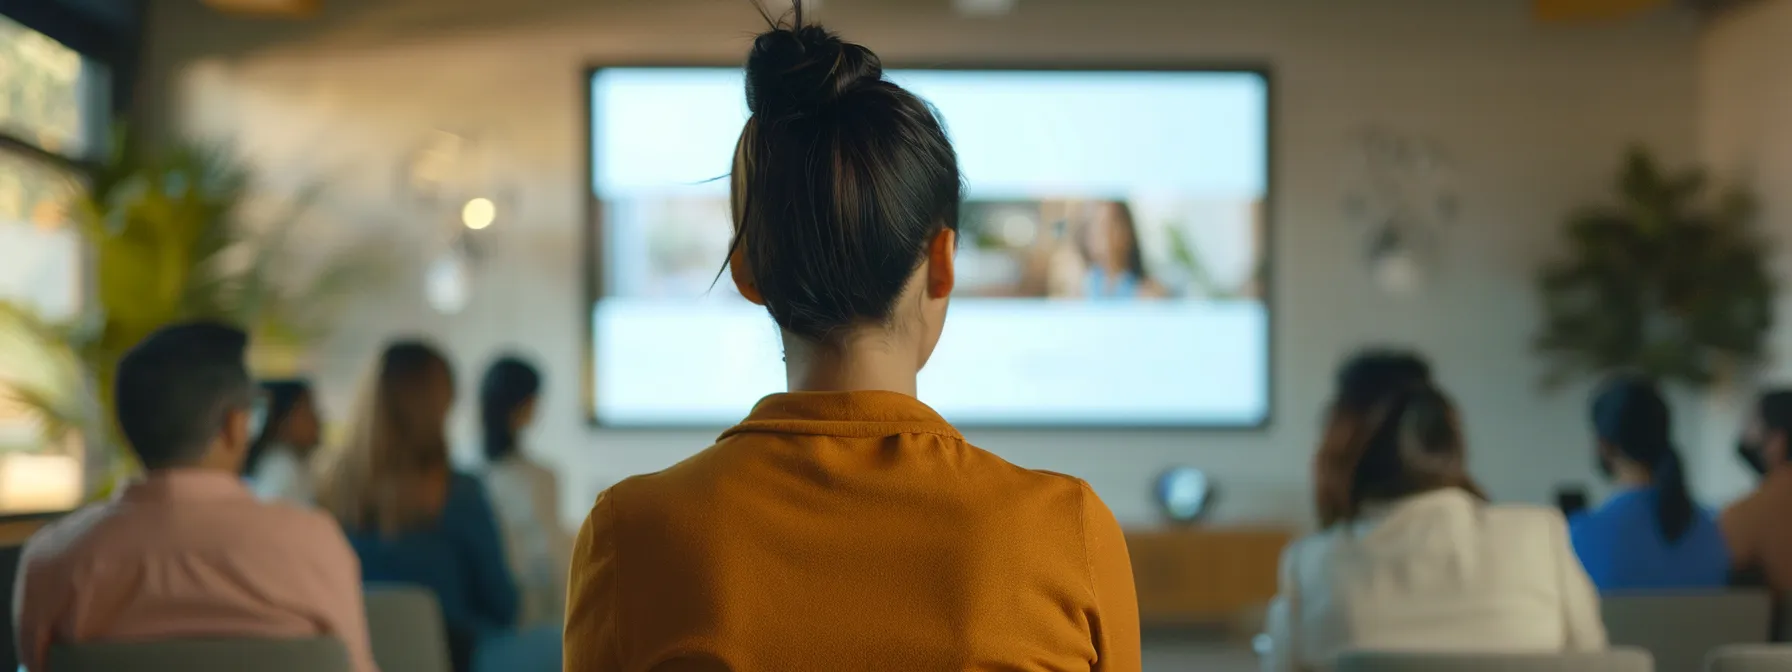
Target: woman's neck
x,y
1627,474
864,361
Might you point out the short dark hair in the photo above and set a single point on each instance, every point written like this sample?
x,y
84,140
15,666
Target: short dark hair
x,y
175,388
1373,373
1775,409
841,179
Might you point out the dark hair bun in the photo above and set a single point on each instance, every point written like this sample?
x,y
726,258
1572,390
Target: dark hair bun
x,y
792,71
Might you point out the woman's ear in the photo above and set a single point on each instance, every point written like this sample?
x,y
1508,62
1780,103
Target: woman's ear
x,y
743,276
941,276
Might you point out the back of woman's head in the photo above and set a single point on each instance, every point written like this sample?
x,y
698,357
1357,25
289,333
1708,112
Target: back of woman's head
x,y
1631,417
280,398
509,383
389,473
1408,441
1373,373
841,181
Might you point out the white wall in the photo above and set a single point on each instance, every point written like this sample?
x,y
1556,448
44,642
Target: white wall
x,y
1745,135
1535,116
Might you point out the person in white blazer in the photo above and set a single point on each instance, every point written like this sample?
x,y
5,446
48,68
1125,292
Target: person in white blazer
x,y
1411,556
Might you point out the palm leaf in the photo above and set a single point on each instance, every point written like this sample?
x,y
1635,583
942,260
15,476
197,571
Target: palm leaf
x,y
40,371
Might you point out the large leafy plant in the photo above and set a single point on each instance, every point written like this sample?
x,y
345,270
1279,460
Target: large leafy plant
x,y
171,239
1667,282
42,372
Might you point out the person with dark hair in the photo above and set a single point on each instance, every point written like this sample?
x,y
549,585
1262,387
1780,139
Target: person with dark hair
x,y
844,525
1411,556
526,495
1373,373
1649,534
279,462
1116,264
1763,445
187,552
409,515
1760,543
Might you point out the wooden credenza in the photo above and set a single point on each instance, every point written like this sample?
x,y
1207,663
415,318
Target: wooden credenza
x,y
1204,575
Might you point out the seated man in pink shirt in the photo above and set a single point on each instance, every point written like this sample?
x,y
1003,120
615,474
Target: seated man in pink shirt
x,y
188,552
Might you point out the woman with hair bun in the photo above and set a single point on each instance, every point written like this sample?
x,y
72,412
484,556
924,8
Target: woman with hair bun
x,y
844,525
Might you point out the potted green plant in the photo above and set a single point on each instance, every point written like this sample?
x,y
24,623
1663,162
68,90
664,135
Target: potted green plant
x,y
1668,281
169,240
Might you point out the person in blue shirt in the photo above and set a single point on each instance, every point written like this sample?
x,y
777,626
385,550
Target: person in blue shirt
x,y
409,516
1649,534
1116,265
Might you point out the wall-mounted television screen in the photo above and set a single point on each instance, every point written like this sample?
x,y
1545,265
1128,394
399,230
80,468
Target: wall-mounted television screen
x,y
1111,272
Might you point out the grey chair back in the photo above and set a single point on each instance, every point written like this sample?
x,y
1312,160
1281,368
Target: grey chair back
x,y
1750,658
207,655
1615,660
1680,629
1782,621
406,630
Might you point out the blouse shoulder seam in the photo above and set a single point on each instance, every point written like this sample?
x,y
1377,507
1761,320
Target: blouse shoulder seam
x,y
1084,492
616,583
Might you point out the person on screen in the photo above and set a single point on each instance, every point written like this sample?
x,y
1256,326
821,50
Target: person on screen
x,y
409,516
1411,556
1116,267
844,525
279,463
1649,534
1760,542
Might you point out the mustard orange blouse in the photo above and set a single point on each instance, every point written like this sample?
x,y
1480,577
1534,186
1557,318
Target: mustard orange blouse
x,y
850,531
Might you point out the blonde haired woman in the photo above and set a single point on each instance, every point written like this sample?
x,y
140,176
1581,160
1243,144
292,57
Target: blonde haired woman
x,y
408,515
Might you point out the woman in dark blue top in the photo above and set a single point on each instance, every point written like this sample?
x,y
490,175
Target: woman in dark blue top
x,y
460,558
1649,534
410,518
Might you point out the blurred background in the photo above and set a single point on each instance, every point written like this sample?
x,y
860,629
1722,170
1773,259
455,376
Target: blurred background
x,y
419,167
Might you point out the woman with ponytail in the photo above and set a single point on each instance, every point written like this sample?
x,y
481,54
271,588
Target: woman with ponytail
x,y
1411,556
1649,533
844,525
525,494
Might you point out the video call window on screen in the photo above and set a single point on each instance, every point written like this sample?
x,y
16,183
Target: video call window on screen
x,y
1111,269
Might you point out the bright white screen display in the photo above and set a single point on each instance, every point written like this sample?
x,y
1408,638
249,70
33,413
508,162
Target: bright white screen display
x,y
1111,271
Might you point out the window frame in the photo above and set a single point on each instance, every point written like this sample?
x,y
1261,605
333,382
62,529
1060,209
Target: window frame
x,y
75,31
110,49
115,48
